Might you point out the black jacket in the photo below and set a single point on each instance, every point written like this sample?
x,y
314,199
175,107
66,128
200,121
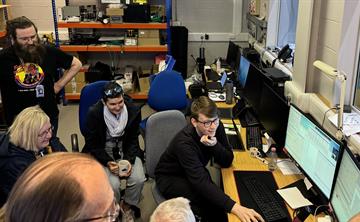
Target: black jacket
x,y
95,137
187,157
13,162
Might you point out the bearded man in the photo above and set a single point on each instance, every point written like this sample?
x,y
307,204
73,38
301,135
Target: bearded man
x,y
29,70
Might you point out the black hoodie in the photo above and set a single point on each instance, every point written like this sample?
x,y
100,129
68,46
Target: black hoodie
x,y
13,162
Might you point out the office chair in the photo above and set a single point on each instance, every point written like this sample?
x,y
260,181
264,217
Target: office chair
x,y
90,94
167,91
160,130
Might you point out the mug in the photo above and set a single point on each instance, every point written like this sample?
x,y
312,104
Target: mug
x,y
123,167
254,152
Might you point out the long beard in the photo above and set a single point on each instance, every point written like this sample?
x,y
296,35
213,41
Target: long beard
x,y
30,53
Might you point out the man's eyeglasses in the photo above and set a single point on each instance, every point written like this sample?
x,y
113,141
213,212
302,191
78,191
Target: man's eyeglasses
x,y
207,124
114,92
45,133
28,39
111,215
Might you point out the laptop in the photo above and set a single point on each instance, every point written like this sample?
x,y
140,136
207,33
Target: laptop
x,y
217,86
235,139
212,75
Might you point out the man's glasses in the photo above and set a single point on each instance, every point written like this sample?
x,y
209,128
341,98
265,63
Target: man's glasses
x,y
207,124
28,39
111,215
114,92
45,133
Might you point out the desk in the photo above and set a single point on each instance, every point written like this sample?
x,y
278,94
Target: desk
x,y
243,161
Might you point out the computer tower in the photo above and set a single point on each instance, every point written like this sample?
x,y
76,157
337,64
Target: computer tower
x,y
179,48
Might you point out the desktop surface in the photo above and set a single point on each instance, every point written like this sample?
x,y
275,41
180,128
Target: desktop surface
x,y
243,162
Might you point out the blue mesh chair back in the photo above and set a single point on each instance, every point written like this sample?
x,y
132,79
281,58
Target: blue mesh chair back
x,y
90,94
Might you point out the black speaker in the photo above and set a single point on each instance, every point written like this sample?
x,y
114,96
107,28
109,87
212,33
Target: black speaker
x,y
137,13
179,48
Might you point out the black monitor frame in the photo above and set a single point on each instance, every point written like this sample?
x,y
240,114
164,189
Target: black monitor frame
x,y
232,53
347,151
273,115
318,197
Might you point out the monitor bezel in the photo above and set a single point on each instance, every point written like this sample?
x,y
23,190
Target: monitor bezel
x,y
357,163
323,198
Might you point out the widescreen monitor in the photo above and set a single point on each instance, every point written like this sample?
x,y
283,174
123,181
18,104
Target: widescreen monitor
x,y
243,71
232,54
253,87
273,114
314,150
345,198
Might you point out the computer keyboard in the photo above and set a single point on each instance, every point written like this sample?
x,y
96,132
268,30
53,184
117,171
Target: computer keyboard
x,y
271,209
253,137
248,119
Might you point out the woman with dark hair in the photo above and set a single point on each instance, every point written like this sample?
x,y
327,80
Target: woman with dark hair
x,y
112,130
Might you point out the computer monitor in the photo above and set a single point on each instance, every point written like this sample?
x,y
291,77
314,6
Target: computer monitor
x,y
314,150
345,197
231,54
243,71
273,114
253,87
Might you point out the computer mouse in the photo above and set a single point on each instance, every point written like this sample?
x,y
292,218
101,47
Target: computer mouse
x,y
221,97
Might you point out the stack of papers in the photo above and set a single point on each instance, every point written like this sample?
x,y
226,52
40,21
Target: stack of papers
x,y
351,123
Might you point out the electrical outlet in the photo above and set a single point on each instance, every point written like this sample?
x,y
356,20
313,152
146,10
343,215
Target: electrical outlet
x,y
176,23
206,36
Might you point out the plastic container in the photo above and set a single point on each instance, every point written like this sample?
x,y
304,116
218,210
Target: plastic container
x,y
272,162
218,66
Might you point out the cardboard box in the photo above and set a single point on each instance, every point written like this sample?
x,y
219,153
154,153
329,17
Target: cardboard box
x,y
149,33
74,87
80,77
114,11
144,84
148,41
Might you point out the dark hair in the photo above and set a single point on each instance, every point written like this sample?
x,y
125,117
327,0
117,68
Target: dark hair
x,y
18,23
205,106
112,90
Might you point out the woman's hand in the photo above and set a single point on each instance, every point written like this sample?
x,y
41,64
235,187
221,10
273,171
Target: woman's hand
x,y
113,167
246,214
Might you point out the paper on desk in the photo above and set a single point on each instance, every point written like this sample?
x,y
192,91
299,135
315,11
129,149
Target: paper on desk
x,y
288,167
294,197
351,123
230,131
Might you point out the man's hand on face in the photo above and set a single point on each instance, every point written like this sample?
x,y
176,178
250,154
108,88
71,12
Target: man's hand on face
x,y
208,140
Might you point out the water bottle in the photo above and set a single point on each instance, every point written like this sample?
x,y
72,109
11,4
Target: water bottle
x,y
272,163
218,66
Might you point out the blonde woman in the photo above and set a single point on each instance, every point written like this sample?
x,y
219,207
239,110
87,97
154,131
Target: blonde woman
x,y
21,145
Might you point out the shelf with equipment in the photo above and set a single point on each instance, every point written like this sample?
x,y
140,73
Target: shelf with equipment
x,y
147,46
3,18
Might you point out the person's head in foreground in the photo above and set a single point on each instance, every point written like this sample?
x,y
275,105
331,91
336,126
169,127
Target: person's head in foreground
x,y
173,210
62,187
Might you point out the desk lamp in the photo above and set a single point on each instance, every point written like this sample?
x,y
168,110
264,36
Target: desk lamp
x,y
332,72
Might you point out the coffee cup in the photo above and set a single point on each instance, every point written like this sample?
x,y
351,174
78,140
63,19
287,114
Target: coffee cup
x,y
124,166
254,152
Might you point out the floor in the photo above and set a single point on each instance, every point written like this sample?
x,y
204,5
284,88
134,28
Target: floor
x,y
69,124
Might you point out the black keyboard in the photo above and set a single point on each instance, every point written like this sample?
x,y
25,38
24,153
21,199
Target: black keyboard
x,y
253,137
248,119
270,207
